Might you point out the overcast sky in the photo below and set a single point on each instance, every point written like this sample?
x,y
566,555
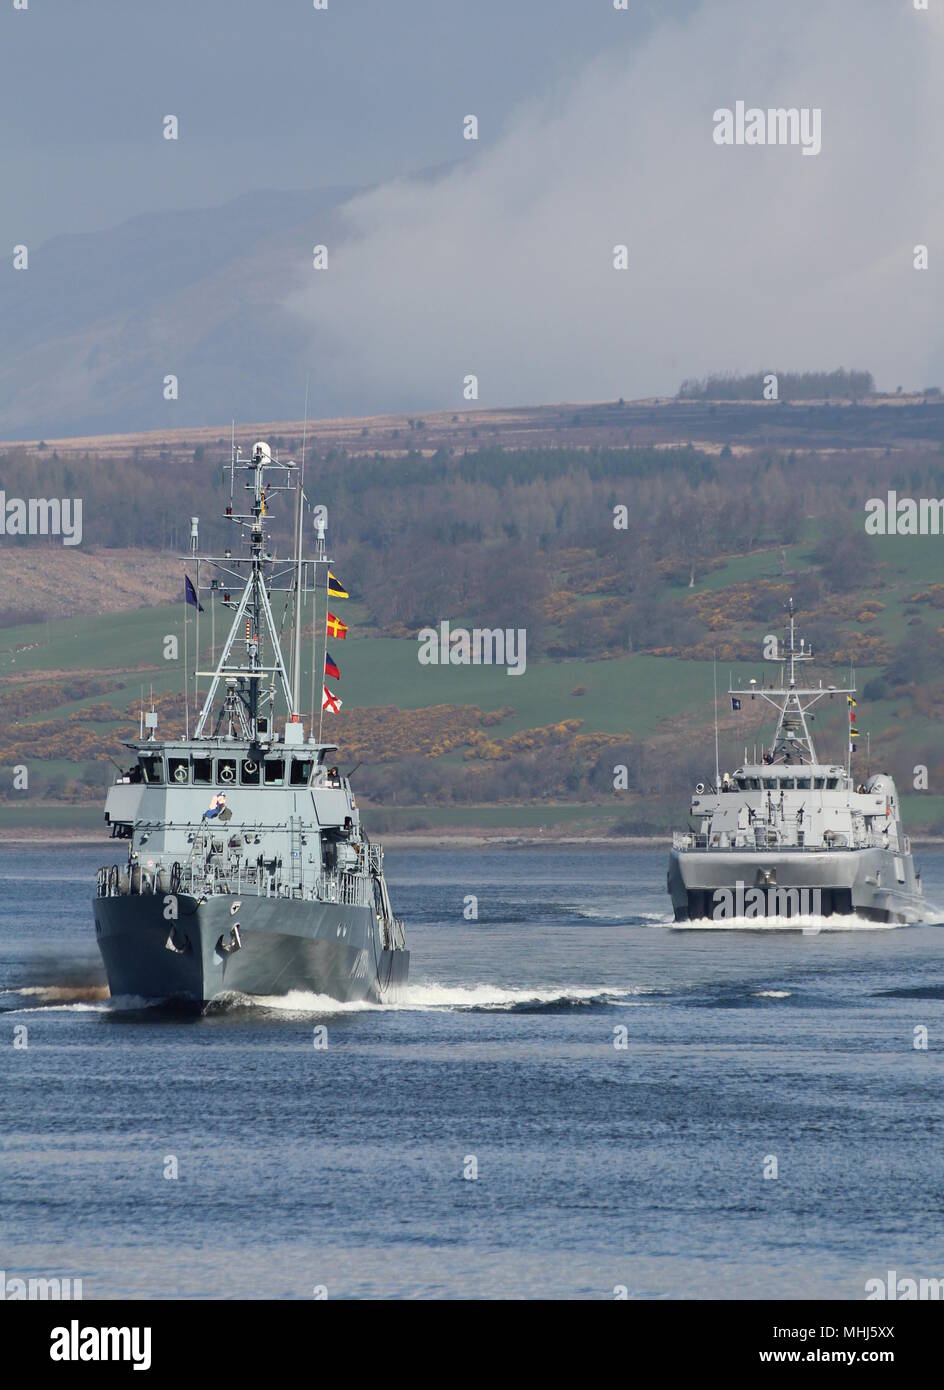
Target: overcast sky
x,y
595,129
269,94
740,257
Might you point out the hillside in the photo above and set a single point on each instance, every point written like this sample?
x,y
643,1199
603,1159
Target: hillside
x,y
507,520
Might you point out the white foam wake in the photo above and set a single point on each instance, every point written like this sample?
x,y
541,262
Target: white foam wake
x,y
433,997
62,993
62,1009
77,999
809,923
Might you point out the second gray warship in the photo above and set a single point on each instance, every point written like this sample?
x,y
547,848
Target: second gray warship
x,y
247,868
786,835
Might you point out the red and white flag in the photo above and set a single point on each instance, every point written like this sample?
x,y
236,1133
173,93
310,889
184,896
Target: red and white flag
x,y
329,701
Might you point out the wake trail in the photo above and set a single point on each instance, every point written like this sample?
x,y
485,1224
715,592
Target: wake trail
x,y
809,923
439,998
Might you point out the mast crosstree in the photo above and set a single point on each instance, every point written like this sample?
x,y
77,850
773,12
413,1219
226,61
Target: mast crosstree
x,y
244,682
792,740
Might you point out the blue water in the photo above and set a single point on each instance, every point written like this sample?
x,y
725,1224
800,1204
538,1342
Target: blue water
x,y
342,1167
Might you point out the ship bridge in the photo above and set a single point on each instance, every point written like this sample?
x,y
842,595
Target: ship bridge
x,y
813,807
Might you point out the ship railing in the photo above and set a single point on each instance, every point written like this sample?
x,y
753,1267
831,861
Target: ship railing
x,y
192,879
763,840
199,878
348,890
371,859
116,881
109,881
203,881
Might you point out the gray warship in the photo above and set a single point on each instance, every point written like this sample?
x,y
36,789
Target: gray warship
x,y
247,869
786,835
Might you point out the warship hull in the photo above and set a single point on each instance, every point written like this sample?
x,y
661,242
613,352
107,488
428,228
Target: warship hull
x,y
266,946
876,884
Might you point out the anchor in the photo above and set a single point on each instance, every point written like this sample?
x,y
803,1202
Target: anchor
x,y
233,944
171,944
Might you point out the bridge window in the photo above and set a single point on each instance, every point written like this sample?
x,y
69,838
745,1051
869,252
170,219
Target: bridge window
x,y
178,770
226,771
275,772
153,769
249,772
819,783
803,784
203,771
301,771
832,783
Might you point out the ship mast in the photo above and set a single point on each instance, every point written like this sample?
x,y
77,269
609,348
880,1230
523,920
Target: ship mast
x,y
300,505
792,740
253,621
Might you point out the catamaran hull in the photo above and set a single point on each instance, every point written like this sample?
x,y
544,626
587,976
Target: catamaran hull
x,y
254,946
876,884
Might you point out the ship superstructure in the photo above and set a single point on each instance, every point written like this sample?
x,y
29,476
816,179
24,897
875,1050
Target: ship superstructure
x,y
247,868
788,835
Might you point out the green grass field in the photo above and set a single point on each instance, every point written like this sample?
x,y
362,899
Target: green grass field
x,y
636,695
43,816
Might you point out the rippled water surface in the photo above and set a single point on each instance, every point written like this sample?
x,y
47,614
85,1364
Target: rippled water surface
x,y
598,1164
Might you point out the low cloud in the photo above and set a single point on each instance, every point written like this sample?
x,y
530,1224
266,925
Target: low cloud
x,y
740,257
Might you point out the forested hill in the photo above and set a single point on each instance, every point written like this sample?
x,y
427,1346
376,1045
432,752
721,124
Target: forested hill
x,y
633,544
458,522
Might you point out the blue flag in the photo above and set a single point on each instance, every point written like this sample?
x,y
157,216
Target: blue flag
x,y
190,594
